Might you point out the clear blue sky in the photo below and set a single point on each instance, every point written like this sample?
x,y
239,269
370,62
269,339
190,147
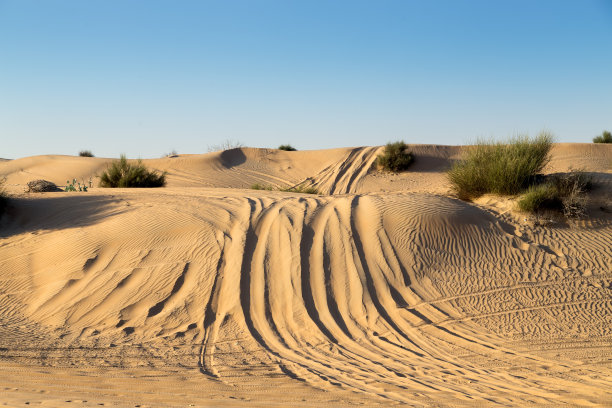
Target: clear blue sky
x,y
145,77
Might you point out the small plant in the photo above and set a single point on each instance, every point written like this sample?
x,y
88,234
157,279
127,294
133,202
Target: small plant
x,y
541,197
75,186
287,148
172,154
605,137
86,153
500,168
121,173
395,158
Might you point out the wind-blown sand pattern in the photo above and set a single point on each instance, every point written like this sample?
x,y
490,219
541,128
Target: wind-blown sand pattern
x,y
383,290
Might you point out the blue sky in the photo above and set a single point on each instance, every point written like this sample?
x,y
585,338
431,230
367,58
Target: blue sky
x,y
146,77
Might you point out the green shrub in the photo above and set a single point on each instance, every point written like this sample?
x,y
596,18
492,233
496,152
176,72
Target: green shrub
x,y
395,158
86,153
121,173
565,192
540,197
605,137
500,168
287,148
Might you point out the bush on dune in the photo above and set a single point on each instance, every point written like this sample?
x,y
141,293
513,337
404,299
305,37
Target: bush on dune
x,y
605,137
500,168
287,148
86,153
560,192
395,158
121,173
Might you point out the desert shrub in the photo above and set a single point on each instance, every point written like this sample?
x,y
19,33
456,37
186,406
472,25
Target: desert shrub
x,y
573,188
575,180
121,173
395,158
605,137
86,153
287,148
500,168
565,192
540,197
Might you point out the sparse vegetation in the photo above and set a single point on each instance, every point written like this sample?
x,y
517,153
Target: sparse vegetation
x,y
258,186
560,192
395,158
294,189
300,189
86,153
605,137
287,148
121,173
226,145
500,168
75,186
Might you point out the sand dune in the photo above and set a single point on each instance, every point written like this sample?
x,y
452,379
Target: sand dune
x,y
383,290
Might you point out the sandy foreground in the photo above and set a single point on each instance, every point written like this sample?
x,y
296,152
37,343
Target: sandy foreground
x,y
383,290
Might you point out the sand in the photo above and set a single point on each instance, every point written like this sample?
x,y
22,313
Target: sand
x,y
382,290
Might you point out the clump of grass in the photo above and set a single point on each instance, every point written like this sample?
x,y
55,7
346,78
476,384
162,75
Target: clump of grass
x,y
605,137
395,158
121,173
300,189
294,189
540,197
287,148
258,186
500,168
560,192
86,153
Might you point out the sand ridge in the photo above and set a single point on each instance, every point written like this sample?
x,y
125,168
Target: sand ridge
x,y
383,290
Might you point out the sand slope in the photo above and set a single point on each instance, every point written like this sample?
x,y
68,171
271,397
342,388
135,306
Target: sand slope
x,y
385,291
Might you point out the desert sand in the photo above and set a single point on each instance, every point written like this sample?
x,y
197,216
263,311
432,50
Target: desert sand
x,y
382,290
